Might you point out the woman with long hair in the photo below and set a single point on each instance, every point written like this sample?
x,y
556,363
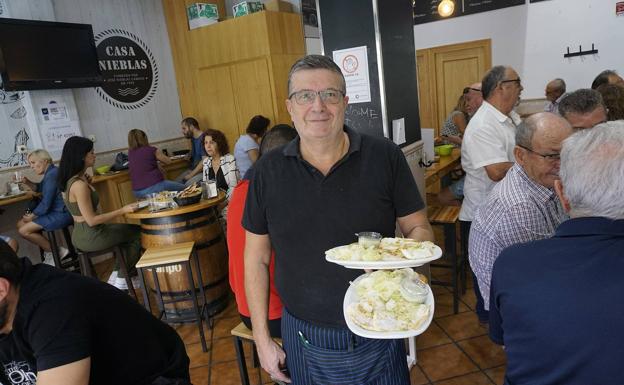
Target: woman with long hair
x,y
455,124
145,173
50,213
92,232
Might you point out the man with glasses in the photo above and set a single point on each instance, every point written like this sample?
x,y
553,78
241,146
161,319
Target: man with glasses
x,y
305,198
523,206
583,108
488,148
474,98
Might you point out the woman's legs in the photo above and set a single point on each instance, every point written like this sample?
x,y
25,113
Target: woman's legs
x,y
31,232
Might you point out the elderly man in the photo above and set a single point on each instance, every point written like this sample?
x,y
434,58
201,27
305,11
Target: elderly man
x,y
311,196
556,303
583,108
488,147
523,206
59,328
607,77
555,91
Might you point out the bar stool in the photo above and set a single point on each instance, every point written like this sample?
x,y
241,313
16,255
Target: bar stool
x,y
54,245
240,333
448,217
87,270
178,254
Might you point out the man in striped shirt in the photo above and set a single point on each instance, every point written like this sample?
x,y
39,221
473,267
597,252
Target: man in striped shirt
x,y
523,206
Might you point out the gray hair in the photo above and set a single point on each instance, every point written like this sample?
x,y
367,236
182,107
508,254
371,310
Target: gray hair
x,y
315,62
491,80
527,128
581,101
591,171
560,85
40,154
602,78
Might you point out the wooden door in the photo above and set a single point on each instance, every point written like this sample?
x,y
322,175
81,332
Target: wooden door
x,y
216,98
444,72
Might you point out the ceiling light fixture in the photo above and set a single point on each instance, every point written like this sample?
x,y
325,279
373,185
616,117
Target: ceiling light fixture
x,y
446,8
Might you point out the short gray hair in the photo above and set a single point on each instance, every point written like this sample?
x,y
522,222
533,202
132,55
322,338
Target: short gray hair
x,y
525,131
315,62
591,171
581,101
491,80
40,154
560,85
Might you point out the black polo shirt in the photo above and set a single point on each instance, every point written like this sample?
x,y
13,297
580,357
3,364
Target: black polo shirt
x,y
306,213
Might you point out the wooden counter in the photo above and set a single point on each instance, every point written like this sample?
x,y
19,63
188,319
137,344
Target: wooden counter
x,y
20,198
435,172
115,188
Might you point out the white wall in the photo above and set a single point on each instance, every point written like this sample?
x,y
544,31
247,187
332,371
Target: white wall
x,y
532,39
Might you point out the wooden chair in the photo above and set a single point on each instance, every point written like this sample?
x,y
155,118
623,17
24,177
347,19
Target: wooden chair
x,y
73,262
178,254
240,333
448,217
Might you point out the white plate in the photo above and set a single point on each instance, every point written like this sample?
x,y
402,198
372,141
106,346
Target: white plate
x,y
388,265
351,297
144,203
178,156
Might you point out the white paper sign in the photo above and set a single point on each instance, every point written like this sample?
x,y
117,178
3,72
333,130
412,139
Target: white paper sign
x,y
354,65
427,138
54,112
398,131
55,135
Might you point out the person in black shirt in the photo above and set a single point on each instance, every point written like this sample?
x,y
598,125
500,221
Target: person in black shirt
x,y
310,196
61,328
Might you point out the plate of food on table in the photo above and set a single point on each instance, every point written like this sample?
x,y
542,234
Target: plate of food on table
x,y
372,251
389,304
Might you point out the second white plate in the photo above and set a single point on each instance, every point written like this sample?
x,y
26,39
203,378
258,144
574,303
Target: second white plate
x,y
352,297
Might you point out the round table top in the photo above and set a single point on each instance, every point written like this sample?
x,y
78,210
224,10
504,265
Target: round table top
x,y
144,213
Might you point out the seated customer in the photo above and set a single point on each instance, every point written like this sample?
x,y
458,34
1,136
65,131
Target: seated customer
x,y
246,147
91,232
61,328
556,303
50,214
455,124
220,165
276,137
145,173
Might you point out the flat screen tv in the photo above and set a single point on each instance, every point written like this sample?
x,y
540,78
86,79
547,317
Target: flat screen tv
x,y
38,55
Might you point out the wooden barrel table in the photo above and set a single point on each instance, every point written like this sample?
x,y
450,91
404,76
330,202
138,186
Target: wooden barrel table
x,y
199,223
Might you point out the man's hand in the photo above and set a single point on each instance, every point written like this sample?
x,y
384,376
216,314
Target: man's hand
x,y
272,358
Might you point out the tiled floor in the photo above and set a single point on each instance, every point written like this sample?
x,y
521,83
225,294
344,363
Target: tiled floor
x,y
455,350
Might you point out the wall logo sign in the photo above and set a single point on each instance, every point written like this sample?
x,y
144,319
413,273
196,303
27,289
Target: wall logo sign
x,y
128,68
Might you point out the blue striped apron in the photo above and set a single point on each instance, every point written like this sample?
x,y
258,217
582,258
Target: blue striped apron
x,y
317,355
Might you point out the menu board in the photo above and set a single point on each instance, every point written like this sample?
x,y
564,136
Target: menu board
x,y
426,11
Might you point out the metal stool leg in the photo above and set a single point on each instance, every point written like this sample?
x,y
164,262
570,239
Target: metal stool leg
x,y
452,250
146,301
124,270
202,292
200,324
55,248
159,299
240,358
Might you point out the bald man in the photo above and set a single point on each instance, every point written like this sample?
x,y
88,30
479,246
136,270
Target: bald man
x,y
555,91
523,206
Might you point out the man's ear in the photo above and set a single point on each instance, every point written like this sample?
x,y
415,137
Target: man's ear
x,y
5,287
564,201
520,155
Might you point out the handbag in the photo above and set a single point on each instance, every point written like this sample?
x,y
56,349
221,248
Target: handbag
x,y
121,162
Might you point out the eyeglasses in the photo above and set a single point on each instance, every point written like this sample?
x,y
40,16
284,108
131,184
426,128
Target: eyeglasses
x,y
550,157
468,89
512,81
329,96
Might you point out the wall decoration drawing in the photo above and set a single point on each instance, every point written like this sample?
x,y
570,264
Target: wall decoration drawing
x,y
128,67
14,158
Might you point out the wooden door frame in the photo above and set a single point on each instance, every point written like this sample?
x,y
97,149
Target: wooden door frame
x,y
430,87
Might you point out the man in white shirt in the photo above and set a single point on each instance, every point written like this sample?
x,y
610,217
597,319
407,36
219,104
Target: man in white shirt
x,y
487,148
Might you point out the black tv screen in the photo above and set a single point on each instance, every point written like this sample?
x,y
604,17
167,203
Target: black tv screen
x,y
36,55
